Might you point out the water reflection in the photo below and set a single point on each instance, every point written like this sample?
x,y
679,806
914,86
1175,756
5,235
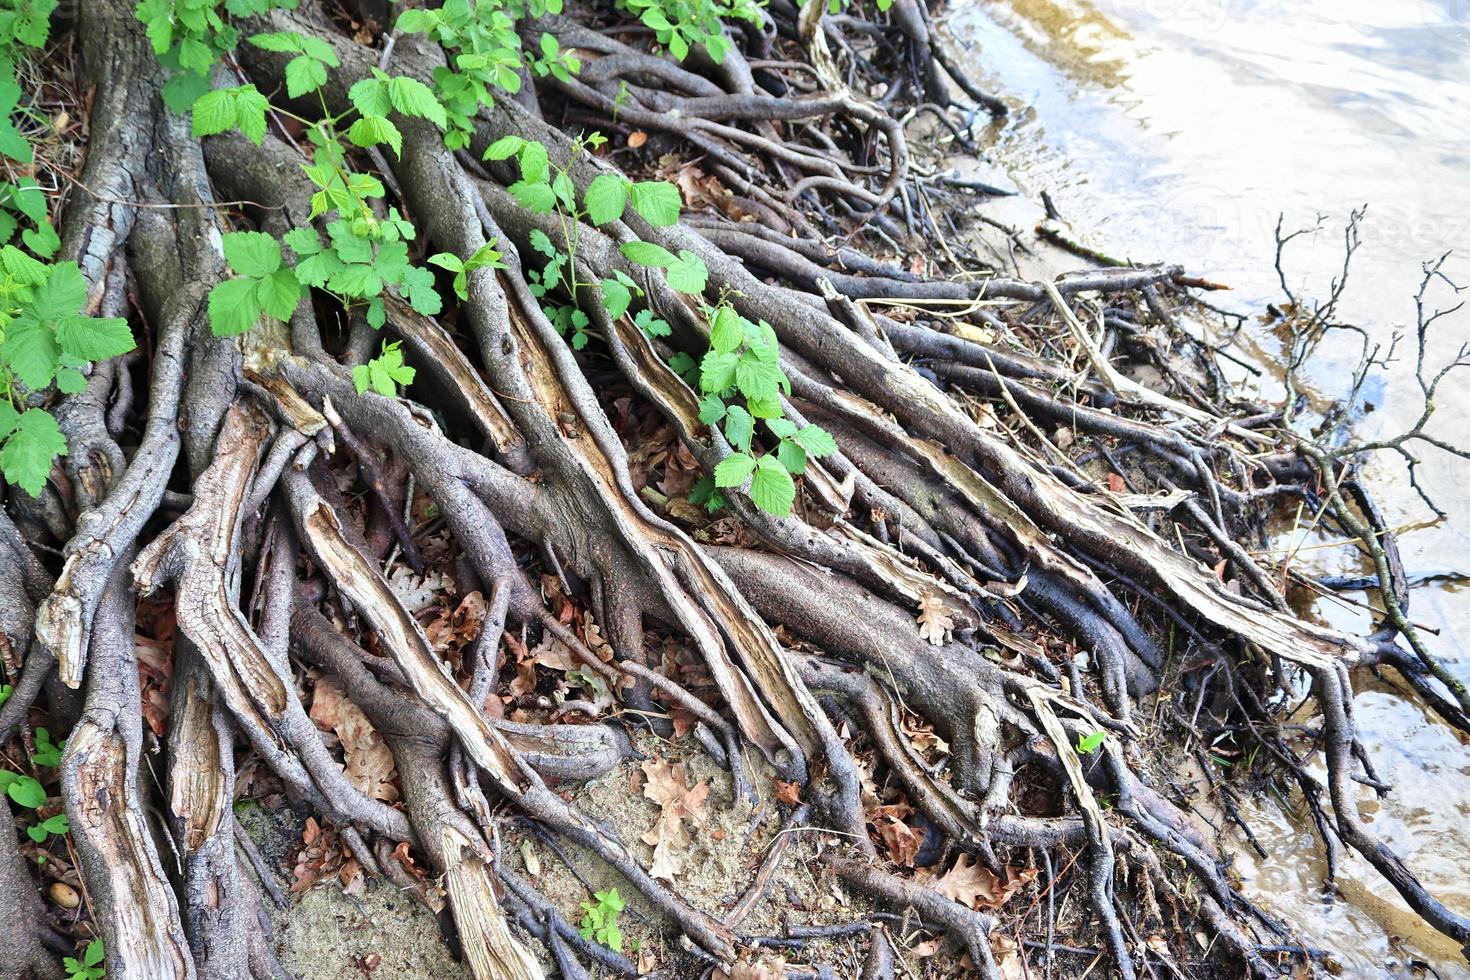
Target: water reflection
x,y
1181,129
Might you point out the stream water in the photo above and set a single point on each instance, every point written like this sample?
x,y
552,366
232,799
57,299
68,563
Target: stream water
x,y
1181,130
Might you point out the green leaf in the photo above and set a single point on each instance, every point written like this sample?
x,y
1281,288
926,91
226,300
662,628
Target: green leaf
x,y
413,98
47,753
739,428
616,297
233,307
726,332
370,97
717,371
417,286
361,378
304,74
280,41
214,112
93,339
447,261
94,952
303,241
816,440
535,163
504,148
537,198
605,198
69,381
251,253
278,294
26,791
647,253
772,488
711,409
372,130
542,243
688,274
30,350
63,294
565,190
791,456
781,428
755,378
734,470
1088,744
657,201
250,108
356,280
33,445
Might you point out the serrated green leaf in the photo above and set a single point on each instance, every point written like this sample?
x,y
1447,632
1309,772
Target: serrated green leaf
x,y
94,339
69,381
417,286
304,74
615,297
251,253
711,409
250,108
726,332
34,443
504,148
213,112
361,379
413,98
278,294
771,488
739,428
688,274
537,198
781,428
657,201
31,351
605,198
734,470
755,378
357,280
370,97
279,41
791,456
717,371
303,241
535,163
816,440
648,253
63,294
372,130
233,307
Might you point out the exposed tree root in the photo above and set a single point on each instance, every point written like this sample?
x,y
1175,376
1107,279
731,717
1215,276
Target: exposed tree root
x,y
949,498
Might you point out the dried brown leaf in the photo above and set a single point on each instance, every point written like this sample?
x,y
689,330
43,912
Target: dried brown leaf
x,y
934,619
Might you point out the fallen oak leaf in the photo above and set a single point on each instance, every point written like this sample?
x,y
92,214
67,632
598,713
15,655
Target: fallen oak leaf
x,y
935,623
667,785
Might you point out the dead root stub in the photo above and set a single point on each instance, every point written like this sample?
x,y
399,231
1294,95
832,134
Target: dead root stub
x,y
942,683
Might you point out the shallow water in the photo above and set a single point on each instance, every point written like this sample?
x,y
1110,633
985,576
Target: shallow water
x,y
1181,130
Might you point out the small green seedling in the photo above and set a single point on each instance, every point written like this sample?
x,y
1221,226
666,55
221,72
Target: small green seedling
x,y
47,753
601,920
24,790
57,825
1088,744
89,967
